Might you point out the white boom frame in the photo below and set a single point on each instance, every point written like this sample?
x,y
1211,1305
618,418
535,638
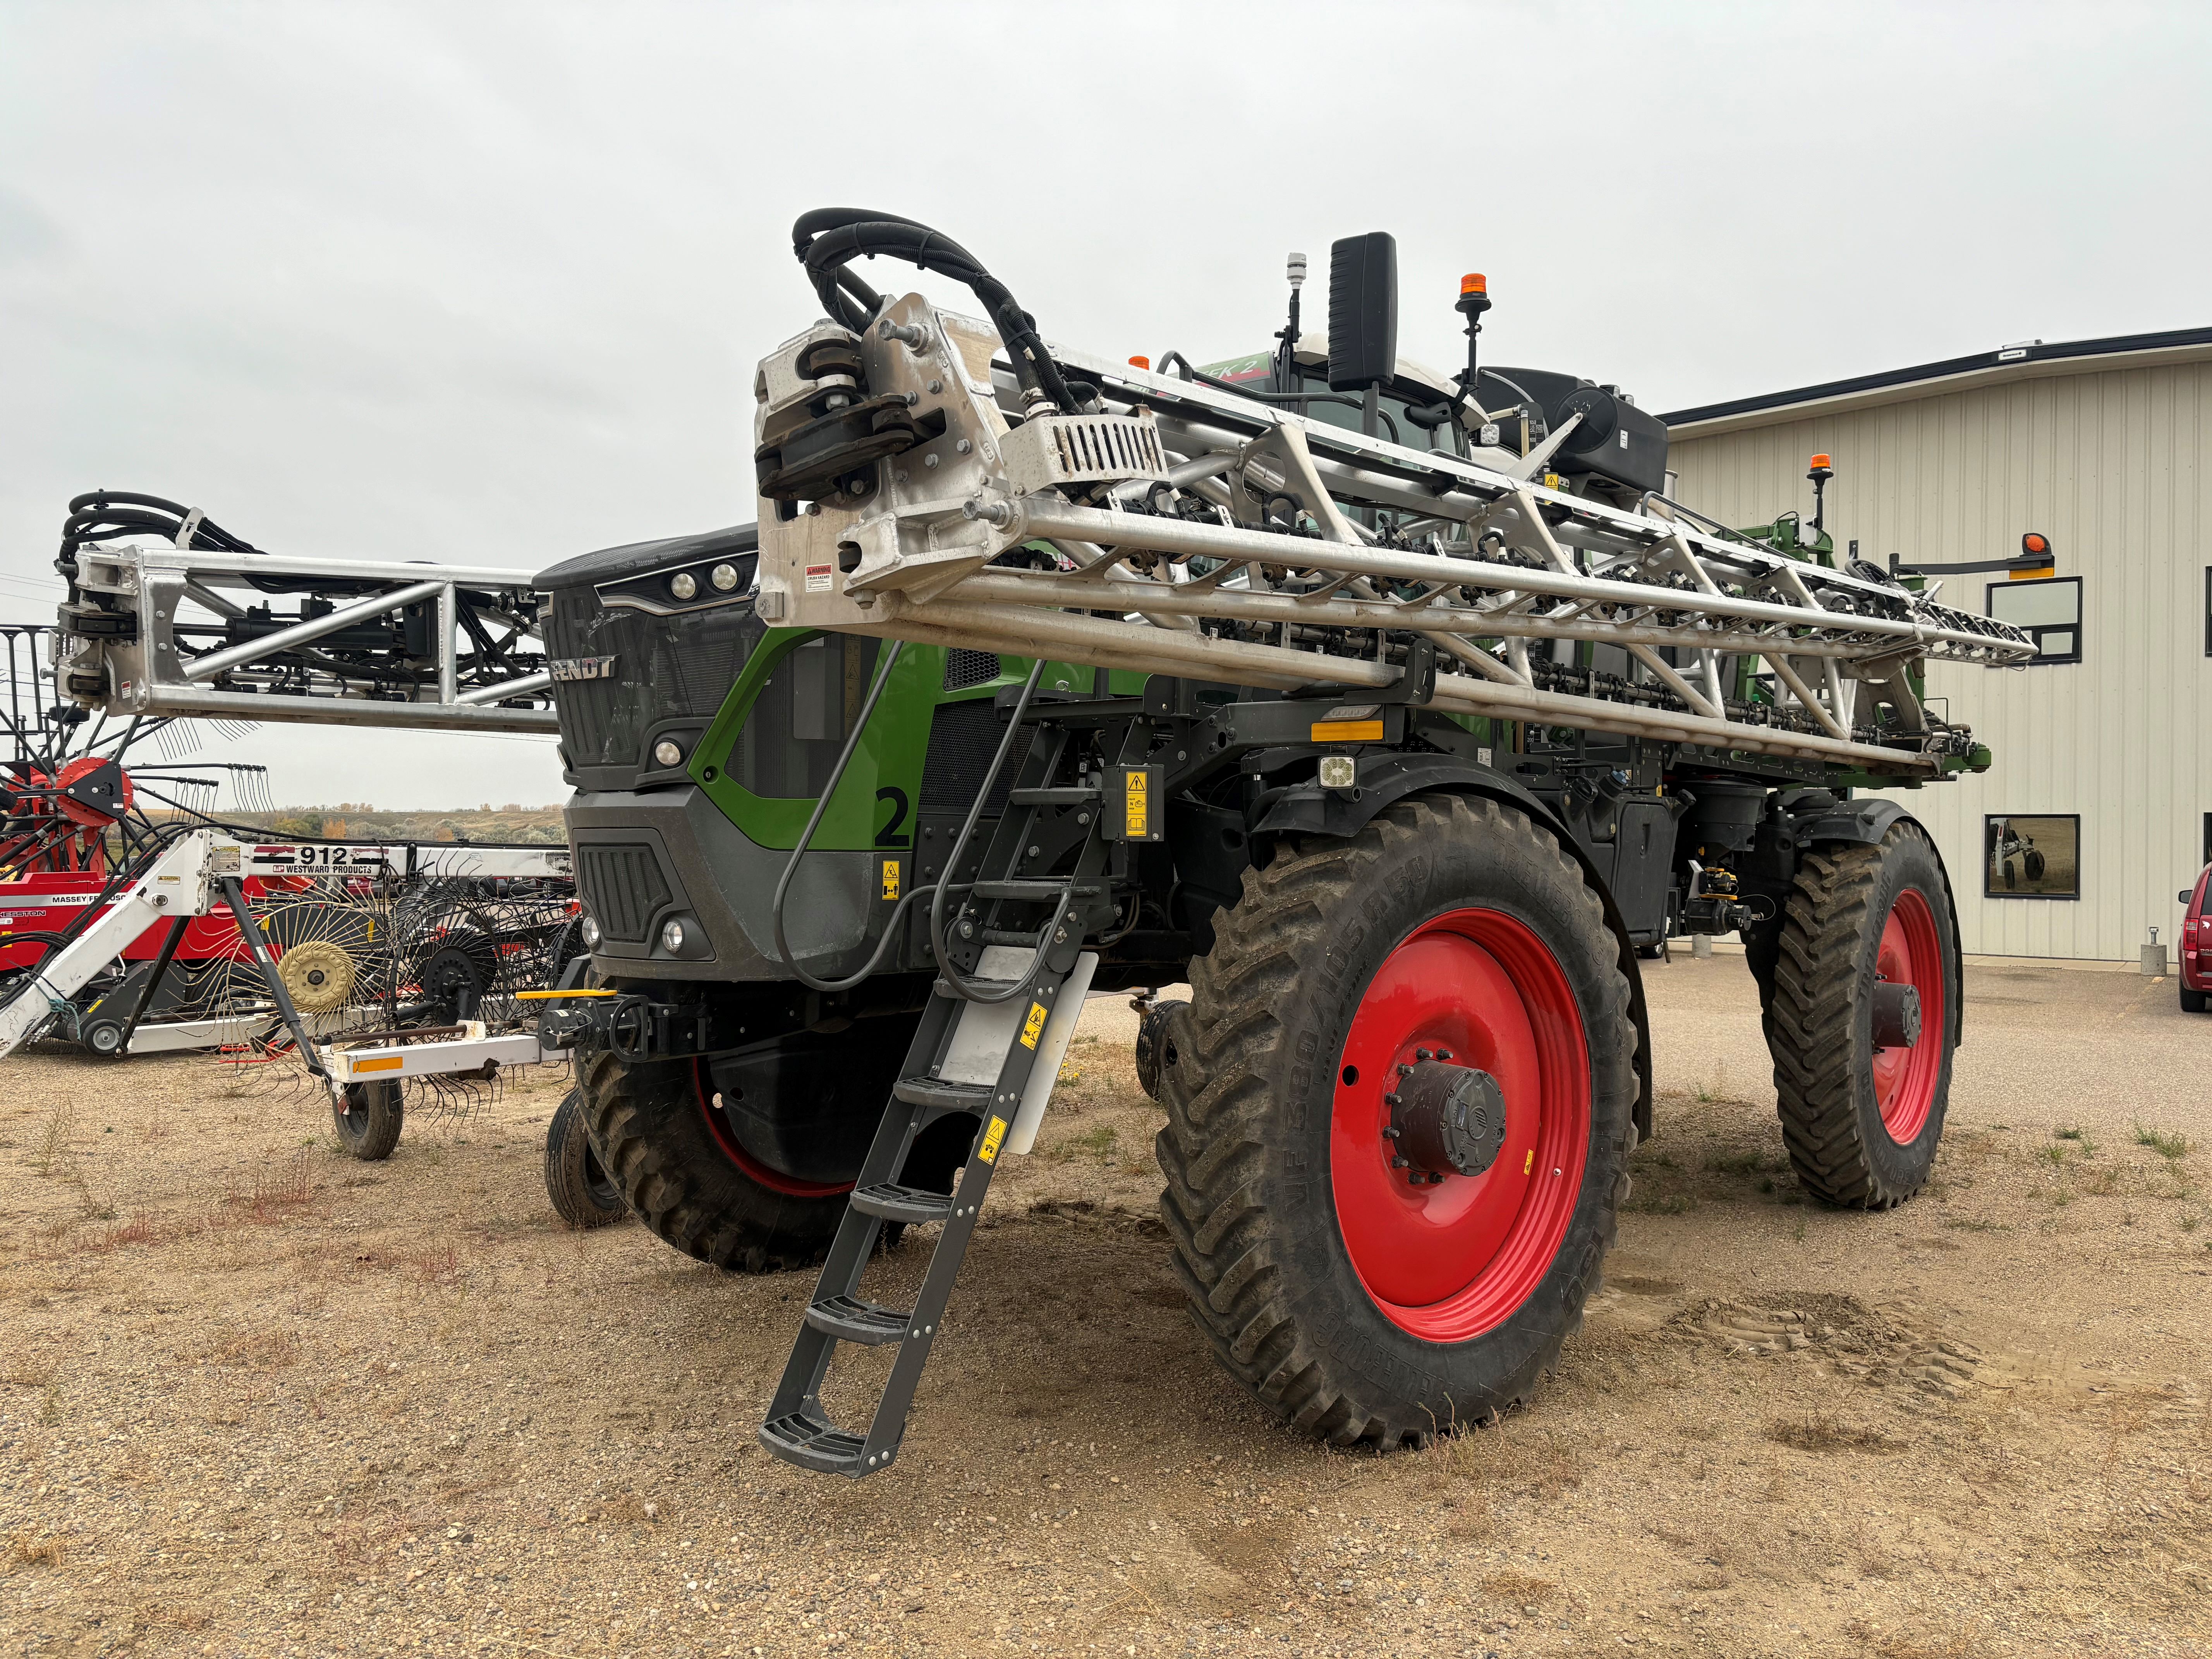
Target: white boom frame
x,y
1495,557
150,676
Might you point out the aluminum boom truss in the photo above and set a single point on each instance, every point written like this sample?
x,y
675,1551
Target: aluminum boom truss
x,y
1196,532
422,647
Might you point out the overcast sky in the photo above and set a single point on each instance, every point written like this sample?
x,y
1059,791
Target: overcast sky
x,y
488,283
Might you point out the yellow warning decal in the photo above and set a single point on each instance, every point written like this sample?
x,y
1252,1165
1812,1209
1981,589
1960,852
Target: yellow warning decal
x,y
1033,1027
1531,1163
988,1152
1347,731
392,1064
1136,803
890,878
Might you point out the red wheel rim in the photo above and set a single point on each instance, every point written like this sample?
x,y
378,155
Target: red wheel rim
x,y
1450,1260
774,1180
1912,953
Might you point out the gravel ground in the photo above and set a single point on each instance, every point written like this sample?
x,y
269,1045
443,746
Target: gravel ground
x,y
256,1398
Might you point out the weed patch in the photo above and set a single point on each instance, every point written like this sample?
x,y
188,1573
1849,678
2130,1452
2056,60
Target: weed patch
x,y
28,1552
2164,1143
1818,1432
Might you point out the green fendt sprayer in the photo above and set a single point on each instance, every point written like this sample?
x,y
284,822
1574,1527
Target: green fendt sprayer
x,y
1395,711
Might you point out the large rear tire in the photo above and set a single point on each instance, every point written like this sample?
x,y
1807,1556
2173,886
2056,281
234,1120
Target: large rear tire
x,y
1862,1117
1357,1303
683,1174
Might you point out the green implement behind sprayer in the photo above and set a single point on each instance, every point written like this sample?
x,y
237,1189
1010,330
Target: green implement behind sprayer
x,y
1397,713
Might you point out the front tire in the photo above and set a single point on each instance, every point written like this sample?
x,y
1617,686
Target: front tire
x,y
684,1177
1861,1118
1357,1304
369,1120
584,1196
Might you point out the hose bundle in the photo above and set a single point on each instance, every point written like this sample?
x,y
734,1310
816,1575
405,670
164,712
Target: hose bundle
x,y
828,239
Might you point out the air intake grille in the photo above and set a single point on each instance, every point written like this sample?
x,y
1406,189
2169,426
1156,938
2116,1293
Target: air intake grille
x,y
622,889
965,668
662,667
963,738
1059,449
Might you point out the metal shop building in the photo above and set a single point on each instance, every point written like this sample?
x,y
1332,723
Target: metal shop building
x,y
2098,809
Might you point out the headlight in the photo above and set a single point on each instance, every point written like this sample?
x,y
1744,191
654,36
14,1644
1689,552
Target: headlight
x,y
725,576
591,932
668,752
672,938
1338,771
684,585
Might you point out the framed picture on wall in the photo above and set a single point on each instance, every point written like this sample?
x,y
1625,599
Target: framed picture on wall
x,y
2031,855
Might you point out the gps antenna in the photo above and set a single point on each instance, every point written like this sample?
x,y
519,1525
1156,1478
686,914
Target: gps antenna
x,y
1286,359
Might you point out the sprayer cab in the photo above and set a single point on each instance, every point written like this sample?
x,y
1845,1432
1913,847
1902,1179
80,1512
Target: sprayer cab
x,y
1572,433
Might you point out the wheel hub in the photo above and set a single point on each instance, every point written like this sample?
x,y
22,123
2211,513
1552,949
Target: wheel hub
x,y
1896,1015
1445,1119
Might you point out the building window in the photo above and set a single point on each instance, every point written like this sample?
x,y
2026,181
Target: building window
x,y
2038,857
2208,610
2051,611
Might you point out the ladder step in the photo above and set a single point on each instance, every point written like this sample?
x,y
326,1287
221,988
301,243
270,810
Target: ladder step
x,y
1070,797
810,1442
851,1320
1007,936
987,986
945,1097
1036,891
893,1202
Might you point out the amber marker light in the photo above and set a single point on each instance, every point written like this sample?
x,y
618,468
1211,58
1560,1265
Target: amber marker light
x,y
1140,362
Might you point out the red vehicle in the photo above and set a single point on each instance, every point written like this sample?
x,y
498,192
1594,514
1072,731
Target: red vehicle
x,y
55,865
2196,945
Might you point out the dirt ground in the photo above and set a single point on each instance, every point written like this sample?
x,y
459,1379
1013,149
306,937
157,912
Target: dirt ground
x,y
256,1398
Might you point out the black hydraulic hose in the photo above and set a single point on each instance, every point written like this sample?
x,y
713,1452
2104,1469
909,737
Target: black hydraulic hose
x,y
828,238
962,987
783,951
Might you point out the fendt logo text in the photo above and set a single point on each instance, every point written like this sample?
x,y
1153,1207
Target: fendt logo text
x,y
563,669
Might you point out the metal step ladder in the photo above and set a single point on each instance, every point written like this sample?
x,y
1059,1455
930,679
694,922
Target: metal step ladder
x,y
989,1046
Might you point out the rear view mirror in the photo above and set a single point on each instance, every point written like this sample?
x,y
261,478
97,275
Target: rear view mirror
x,y
1363,311
2186,894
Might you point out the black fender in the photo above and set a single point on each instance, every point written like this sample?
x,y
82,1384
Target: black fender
x,y
1386,779
1824,821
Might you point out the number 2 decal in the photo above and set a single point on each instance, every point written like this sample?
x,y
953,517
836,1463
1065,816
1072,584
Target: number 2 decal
x,y
889,835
